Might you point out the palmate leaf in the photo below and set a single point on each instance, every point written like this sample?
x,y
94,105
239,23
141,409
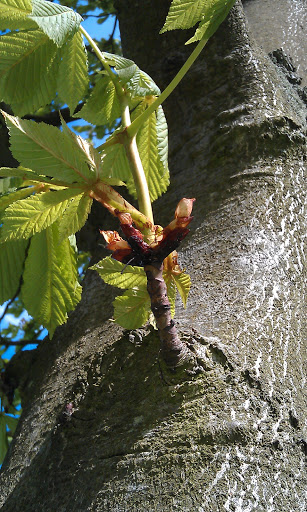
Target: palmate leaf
x,y
113,272
14,14
132,309
11,197
56,21
156,173
136,81
74,216
26,217
28,70
50,288
21,174
46,149
115,163
103,105
12,255
73,77
183,285
185,14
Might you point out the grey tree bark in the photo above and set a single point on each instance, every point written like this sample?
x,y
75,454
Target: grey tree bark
x,y
228,434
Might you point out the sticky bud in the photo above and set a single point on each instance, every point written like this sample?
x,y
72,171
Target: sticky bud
x,y
115,241
184,208
124,218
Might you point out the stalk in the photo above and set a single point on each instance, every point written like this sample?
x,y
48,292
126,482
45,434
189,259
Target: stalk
x,y
130,145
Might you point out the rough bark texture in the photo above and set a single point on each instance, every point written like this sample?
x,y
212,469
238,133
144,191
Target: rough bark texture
x,y
229,434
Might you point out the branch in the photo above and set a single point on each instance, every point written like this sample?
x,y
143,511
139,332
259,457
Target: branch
x,y
54,118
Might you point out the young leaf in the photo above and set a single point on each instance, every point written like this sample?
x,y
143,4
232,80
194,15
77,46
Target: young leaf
x,y
3,437
115,163
56,21
26,217
28,70
103,106
9,184
12,255
162,136
73,76
183,285
132,309
10,198
156,174
171,291
111,271
14,14
135,80
50,268
74,216
185,14
46,149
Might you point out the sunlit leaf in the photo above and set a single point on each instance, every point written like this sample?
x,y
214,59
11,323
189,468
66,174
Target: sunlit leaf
x,y
74,216
103,105
26,217
132,309
56,21
12,255
115,273
14,14
50,268
73,76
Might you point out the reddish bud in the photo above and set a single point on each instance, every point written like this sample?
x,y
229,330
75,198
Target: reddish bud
x,y
114,241
184,208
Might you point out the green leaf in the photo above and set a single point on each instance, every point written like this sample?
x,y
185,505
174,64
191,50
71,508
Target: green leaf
x,y
185,14
73,76
14,14
26,217
46,149
162,136
50,268
171,291
115,163
183,285
56,21
9,184
135,80
156,173
132,309
74,216
110,271
12,255
11,423
10,198
102,107
3,437
28,70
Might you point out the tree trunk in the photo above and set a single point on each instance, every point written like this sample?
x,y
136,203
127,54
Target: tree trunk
x,y
105,425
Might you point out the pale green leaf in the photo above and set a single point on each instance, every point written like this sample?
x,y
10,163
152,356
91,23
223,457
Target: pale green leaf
x,y
115,273
50,268
73,76
56,21
115,163
26,176
74,216
28,70
132,309
12,255
47,150
103,106
3,437
184,14
26,217
9,184
14,14
135,80
183,285
156,173
11,197
162,136
11,423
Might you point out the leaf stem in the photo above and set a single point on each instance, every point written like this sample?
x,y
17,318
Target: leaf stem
x,y
130,145
137,123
